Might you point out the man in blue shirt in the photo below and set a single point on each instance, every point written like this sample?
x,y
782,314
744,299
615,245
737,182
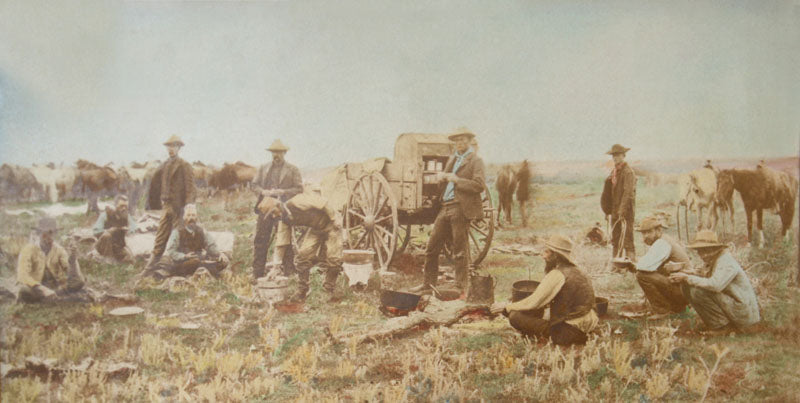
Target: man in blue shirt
x,y
110,229
462,184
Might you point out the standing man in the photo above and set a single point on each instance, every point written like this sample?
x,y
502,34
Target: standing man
x,y
567,291
110,229
280,180
724,299
664,296
619,201
461,186
174,183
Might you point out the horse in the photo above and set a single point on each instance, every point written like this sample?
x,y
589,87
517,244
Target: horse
x,y
506,182
697,191
523,178
762,188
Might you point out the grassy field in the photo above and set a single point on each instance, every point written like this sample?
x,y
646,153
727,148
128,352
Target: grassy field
x,y
245,351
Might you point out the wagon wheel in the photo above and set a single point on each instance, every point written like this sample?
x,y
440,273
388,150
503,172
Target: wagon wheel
x,y
370,219
480,232
406,239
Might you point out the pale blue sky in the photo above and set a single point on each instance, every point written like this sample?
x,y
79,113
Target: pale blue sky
x,y
338,81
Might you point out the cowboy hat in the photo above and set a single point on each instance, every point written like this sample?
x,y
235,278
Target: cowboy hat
x,y
650,223
705,239
277,146
617,149
461,132
561,245
174,140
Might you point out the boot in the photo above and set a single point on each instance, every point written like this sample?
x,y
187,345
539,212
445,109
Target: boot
x,y
330,280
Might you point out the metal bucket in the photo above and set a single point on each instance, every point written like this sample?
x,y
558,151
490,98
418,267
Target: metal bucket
x,y
481,289
402,301
601,305
521,290
358,256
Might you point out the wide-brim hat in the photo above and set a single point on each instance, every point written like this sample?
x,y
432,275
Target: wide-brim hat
x,y
277,146
174,140
461,132
705,239
561,245
47,224
617,149
649,223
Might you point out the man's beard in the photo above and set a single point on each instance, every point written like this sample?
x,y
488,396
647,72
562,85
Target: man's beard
x,y
191,225
550,264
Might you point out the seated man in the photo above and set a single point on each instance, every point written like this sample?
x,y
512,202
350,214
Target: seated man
x,y
110,230
322,243
189,248
566,290
724,299
652,270
46,272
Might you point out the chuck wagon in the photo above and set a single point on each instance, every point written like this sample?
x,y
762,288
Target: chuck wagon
x,y
386,197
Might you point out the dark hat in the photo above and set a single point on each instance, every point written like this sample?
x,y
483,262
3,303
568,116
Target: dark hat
x,y
174,140
277,146
461,132
47,224
705,239
617,149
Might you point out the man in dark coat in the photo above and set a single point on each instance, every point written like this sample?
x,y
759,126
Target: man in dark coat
x,y
619,201
281,180
110,229
174,184
568,293
462,184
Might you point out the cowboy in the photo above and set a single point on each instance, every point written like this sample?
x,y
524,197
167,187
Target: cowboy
x,y
278,179
619,201
653,269
110,229
568,293
46,272
322,243
173,188
724,299
190,247
461,185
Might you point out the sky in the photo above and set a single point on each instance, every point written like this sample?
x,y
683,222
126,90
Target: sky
x,y
339,81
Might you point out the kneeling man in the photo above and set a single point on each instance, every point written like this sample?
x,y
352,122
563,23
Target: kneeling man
x,y
566,290
46,272
189,248
110,229
725,299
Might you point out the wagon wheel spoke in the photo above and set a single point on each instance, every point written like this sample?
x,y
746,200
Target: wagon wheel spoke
x,y
479,229
386,232
378,205
381,220
362,201
357,227
378,248
361,238
353,212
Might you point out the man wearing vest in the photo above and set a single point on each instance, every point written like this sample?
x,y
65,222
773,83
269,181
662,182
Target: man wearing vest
x,y
724,298
619,202
189,248
172,188
461,187
322,243
46,272
566,290
110,229
652,269
281,180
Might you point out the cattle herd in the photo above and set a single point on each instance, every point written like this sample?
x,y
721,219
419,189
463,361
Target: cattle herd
x,y
86,180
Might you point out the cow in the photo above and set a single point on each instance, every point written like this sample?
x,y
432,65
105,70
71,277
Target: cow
x,y
761,188
17,184
94,180
58,183
697,191
232,176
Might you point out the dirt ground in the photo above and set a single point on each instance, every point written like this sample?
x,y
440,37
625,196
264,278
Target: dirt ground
x,y
212,340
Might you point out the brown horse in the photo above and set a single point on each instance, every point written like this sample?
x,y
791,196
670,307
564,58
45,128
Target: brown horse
x,y
762,188
523,190
506,183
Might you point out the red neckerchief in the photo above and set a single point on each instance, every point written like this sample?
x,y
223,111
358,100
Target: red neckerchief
x,y
617,168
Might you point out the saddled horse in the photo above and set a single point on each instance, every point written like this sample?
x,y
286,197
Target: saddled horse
x,y
762,188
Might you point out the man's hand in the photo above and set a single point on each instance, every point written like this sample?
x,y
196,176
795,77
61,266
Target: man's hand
x,y
498,307
450,177
192,255
45,291
678,277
